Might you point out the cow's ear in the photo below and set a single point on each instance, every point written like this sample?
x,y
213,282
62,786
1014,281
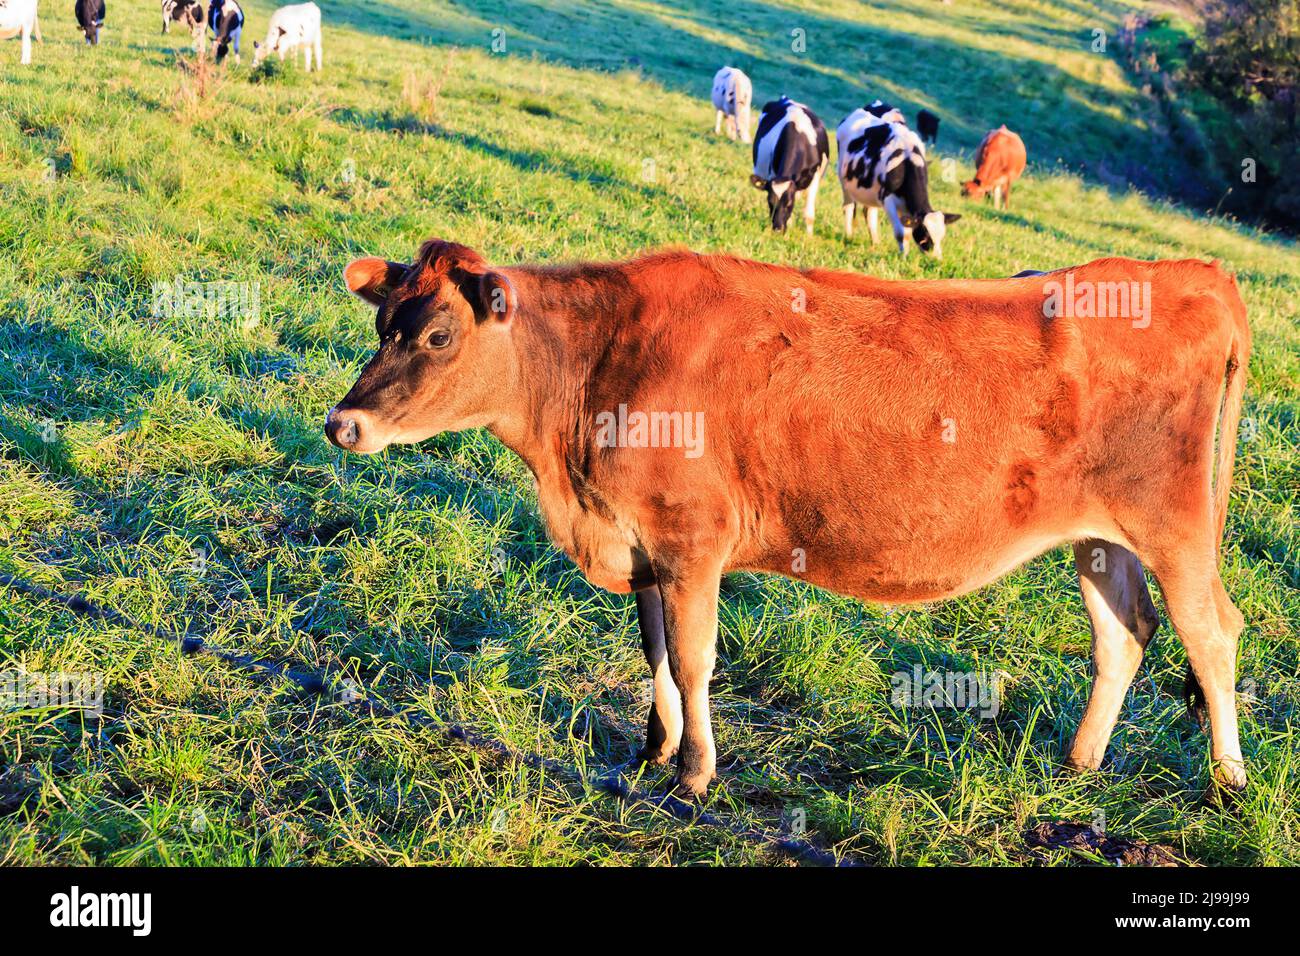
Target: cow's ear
x,y
951,217
756,182
496,297
909,222
373,279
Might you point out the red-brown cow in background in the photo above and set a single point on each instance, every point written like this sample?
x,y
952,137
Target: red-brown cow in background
x,y
688,415
999,161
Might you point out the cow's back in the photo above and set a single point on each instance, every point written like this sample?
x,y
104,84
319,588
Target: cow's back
x,y
1001,156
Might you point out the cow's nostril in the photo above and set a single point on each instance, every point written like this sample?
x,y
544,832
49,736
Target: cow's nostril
x,y
342,429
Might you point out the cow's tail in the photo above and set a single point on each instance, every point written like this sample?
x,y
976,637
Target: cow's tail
x,y
1234,388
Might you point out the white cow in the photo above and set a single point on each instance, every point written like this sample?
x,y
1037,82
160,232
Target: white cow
x,y
19,16
732,96
297,25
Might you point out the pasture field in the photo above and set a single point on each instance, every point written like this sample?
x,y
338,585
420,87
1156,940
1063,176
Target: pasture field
x,y
174,467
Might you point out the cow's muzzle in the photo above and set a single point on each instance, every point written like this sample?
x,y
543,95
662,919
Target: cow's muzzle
x,y
348,428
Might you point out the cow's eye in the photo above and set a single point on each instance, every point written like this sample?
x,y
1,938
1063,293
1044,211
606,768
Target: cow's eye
x,y
439,340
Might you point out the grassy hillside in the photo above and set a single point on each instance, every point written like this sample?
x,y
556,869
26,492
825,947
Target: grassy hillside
x,y
174,467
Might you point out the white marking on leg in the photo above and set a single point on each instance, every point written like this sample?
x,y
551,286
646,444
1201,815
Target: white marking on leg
x,y
810,199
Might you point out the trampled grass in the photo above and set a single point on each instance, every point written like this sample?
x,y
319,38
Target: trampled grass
x,y
174,468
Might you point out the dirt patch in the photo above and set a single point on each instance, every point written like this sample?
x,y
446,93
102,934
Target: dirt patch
x,y
1082,839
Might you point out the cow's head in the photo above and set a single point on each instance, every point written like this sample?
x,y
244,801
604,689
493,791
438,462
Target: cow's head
x,y
928,230
974,189
780,200
444,354
94,16
262,50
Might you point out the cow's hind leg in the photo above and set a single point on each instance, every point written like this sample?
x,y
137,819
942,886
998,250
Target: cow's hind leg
x,y
1209,625
1123,620
664,728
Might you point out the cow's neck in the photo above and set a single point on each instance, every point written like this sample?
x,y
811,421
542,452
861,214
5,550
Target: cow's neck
x,y
915,191
566,321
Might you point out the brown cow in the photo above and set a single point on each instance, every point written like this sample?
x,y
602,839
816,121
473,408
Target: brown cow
x,y
896,441
999,161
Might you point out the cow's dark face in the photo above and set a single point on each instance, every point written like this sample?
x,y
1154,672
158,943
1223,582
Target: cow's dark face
x,y
444,357
780,201
90,15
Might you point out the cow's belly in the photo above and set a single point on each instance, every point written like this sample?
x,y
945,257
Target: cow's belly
x,y
866,194
927,570
921,527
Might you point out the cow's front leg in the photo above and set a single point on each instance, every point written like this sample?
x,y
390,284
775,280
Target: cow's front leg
x,y
717,123
690,598
873,223
664,728
850,208
896,221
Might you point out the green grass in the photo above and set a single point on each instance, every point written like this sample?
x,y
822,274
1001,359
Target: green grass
x,y
175,469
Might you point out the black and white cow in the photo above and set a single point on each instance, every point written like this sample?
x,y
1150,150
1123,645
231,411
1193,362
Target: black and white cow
x,y
90,17
733,95
882,166
927,124
791,151
226,19
189,15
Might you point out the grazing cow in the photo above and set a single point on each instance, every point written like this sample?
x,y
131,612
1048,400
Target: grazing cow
x,y
290,28
90,17
19,17
226,19
189,14
882,166
893,441
927,125
732,96
999,162
790,154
